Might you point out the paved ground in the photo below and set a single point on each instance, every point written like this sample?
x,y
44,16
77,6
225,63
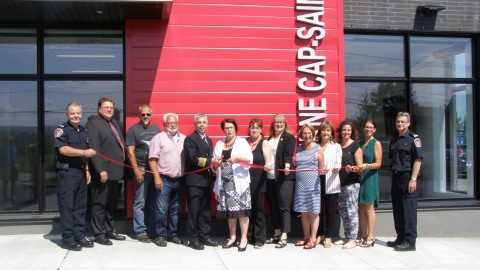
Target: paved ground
x,y
37,251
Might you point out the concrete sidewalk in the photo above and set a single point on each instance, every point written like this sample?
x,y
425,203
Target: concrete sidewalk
x,y
37,251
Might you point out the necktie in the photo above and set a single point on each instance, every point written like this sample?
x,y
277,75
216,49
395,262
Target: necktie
x,y
117,135
205,140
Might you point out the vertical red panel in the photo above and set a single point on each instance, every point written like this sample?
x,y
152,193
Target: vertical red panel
x,y
234,60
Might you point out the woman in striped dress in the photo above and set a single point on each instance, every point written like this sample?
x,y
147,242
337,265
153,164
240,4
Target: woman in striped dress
x,y
309,159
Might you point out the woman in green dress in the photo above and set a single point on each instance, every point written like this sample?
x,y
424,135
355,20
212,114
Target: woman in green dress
x,y
369,191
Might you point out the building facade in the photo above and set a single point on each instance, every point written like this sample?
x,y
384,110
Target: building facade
x,y
310,60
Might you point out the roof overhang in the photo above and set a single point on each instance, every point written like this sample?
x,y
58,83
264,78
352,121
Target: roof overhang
x,y
84,13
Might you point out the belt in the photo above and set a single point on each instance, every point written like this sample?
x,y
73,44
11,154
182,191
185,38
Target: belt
x,y
66,166
171,178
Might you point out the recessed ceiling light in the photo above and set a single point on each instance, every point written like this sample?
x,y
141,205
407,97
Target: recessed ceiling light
x,y
99,12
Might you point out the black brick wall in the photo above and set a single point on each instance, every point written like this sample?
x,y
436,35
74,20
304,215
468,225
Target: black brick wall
x,y
459,15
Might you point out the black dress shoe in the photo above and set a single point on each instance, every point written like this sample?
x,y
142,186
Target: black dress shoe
x,y
405,247
72,246
115,236
393,243
102,240
175,240
209,242
84,242
196,245
234,244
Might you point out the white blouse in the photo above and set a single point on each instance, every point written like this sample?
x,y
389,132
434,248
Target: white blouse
x,y
241,173
333,159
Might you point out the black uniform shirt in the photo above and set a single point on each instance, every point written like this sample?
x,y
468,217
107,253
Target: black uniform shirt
x,y
404,150
67,135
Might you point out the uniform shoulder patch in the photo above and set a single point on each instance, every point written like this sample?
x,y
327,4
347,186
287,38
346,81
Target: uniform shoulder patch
x,y
418,142
58,132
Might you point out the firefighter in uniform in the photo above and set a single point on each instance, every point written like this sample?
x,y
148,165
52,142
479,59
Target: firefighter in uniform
x,y
71,148
406,154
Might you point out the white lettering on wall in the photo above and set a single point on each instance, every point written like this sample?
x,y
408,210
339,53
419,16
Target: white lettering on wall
x,y
314,79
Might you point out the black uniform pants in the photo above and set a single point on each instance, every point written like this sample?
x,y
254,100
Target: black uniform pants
x,y
404,206
279,196
72,203
198,214
104,203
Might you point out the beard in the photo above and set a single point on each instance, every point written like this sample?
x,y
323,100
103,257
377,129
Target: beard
x,y
171,131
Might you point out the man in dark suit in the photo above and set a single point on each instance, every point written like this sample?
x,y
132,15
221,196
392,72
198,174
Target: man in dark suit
x,y
106,138
198,153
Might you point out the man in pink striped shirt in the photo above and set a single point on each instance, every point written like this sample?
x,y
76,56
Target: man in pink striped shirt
x,y
166,160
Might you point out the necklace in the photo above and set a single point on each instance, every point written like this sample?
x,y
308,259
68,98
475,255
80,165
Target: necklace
x,y
229,144
253,145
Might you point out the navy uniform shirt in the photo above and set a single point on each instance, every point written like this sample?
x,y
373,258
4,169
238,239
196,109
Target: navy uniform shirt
x,y
404,150
67,135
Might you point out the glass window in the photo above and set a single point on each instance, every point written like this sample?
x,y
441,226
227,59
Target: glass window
x,y
85,53
57,95
373,55
18,52
443,117
19,145
441,57
380,102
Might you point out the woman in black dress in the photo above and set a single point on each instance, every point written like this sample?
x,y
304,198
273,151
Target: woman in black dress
x,y
258,179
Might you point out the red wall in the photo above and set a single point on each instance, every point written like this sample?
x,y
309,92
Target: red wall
x,y
235,58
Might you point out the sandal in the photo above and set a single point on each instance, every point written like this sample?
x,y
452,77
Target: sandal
x,y
327,243
350,244
361,242
275,239
282,243
309,245
368,243
300,243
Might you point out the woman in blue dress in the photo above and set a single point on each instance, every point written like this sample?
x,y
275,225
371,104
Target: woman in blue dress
x,y
309,160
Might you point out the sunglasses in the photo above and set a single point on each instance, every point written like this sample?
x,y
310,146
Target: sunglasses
x,y
146,114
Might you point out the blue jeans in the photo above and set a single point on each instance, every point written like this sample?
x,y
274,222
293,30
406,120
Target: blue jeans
x,y
144,207
168,207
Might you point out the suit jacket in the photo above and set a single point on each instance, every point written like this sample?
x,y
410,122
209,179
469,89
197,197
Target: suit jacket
x,y
284,154
198,155
103,140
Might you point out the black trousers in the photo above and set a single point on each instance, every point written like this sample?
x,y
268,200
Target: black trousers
x,y
329,216
257,230
404,206
198,214
279,196
104,203
72,203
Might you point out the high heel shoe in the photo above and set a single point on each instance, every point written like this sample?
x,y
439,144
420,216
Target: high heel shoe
x,y
361,242
369,243
234,244
240,249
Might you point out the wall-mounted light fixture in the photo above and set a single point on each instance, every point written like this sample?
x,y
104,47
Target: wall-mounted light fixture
x,y
430,10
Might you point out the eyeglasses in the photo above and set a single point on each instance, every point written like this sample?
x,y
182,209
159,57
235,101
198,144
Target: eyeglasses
x,y
107,108
171,123
146,114
279,123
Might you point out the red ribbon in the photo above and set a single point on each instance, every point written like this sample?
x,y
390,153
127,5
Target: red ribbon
x,y
255,166
128,166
